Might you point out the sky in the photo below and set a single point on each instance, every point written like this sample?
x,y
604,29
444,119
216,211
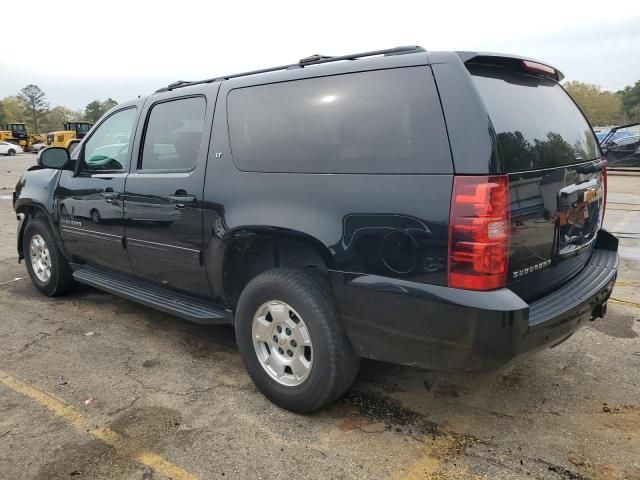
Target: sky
x,y
81,51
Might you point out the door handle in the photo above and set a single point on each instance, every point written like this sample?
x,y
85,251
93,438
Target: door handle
x,y
181,200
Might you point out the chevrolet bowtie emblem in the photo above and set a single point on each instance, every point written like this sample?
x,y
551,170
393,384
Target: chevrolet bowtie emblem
x,y
589,195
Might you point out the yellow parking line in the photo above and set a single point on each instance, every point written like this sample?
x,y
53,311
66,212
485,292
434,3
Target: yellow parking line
x,y
620,225
54,404
624,302
105,434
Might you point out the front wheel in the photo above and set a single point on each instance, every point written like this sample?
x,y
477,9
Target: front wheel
x,y
49,270
11,152
291,340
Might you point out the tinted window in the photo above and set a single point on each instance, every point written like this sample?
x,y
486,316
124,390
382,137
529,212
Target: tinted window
x,y
537,123
387,121
173,135
109,147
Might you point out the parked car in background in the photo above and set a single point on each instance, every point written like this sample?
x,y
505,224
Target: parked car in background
x,y
9,149
616,135
624,152
36,147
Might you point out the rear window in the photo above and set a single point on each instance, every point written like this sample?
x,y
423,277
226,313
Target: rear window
x,y
385,121
537,123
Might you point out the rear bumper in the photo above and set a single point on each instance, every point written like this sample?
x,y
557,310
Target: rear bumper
x,y
450,329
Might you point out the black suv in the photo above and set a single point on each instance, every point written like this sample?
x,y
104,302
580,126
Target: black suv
x,y
437,209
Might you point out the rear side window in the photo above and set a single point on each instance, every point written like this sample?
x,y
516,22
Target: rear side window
x,y
173,135
385,121
537,123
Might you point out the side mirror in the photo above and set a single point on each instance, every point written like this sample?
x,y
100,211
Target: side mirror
x,y
53,157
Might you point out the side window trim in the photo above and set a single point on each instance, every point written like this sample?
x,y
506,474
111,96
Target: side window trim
x,y
80,171
137,168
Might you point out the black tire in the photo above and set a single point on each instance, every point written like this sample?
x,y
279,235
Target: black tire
x,y
335,364
11,152
61,278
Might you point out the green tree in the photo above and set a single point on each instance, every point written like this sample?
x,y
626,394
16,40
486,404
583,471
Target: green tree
x,y
631,103
2,115
108,104
600,107
94,110
13,110
55,118
35,102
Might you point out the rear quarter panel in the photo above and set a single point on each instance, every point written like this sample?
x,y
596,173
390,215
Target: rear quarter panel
x,y
351,216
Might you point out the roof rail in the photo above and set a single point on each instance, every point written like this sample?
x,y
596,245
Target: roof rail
x,y
305,62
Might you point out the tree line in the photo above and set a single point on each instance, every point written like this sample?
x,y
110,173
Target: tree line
x,y
604,108
30,106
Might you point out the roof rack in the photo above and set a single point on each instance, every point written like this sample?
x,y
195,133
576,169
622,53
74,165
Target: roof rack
x,y
305,62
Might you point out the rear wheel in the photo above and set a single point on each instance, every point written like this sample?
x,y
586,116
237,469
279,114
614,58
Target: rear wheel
x,y
292,342
49,270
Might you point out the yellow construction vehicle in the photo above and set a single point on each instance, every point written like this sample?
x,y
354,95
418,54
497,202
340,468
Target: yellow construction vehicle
x,y
15,133
37,138
72,131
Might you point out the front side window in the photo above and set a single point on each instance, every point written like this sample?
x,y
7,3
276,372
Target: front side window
x,y
173,135
109,148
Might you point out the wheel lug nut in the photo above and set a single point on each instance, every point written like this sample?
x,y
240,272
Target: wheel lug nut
x,y
281,351
288,330
275,339
290,353
294,344
279,328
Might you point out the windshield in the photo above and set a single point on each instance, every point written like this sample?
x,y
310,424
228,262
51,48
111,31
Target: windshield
x,y
83,127
537,123
18,128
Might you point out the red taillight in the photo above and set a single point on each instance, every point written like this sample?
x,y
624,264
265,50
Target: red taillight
x,y
479,232
604,183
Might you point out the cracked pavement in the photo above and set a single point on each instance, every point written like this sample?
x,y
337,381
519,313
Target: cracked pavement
x,y
180,390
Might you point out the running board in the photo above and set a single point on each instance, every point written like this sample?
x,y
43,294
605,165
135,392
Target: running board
x,y
184,306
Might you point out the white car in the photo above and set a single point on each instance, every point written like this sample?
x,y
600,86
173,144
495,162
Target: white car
x,y
11,149
36,147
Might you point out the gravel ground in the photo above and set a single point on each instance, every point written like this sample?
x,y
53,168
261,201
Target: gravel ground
x,y
96,387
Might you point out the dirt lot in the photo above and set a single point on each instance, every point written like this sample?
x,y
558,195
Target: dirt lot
x,y
96,387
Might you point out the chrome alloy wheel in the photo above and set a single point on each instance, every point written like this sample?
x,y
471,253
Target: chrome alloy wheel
x,y
40,258
282,343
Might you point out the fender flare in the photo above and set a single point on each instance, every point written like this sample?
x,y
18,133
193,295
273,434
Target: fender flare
x,y
223,250
26,210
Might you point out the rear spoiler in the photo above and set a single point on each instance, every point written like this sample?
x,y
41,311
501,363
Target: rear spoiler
x,y
525,64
